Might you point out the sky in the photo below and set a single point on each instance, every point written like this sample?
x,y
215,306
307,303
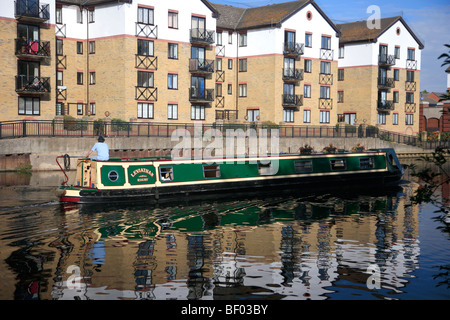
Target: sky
x,y
429,20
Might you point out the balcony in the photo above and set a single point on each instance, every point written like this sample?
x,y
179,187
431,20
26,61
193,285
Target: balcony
x,y
411,64
146,62
385,105
386,60
325,78
201,66
202,36
410,85
410,107
325,103
293,49
326,54
198,95
32,85
292,100
292,75
386,83
31,11
146,30
146,93
32,49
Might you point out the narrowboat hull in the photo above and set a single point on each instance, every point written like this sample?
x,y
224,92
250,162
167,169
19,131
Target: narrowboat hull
x,y
158,180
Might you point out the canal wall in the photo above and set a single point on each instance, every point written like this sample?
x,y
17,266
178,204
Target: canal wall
x,y
39,153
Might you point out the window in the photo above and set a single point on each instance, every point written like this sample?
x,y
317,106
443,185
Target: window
x,y
58,15
350,118
80,109
145,47
338,164
303,166
340,96
230,89
325,67
211,171
172,80
29,106
411,54
92,108
242,39
395,119
172,111
324,92
409,97
79,77
308,40
395,97
308,66
230,64
341,52
307,116
145,79
242,65
288,115
173,20
145,15
381,118
396,74
219,64
230,37
79,47
59,78
307,91
409,119
341,74
166,173
59,47
218,89
252,114
409,76
197,112
173,51
397,52
219,38
242,90
91,47
59,109
92,77
324,116
326,42
145,110
79,15
91,15
366,163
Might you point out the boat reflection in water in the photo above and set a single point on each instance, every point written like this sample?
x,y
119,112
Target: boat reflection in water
x,y
276,247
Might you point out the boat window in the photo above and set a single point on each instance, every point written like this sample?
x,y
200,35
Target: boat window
x,y
338,164
366,163
166,173
303,166
211,171
265,169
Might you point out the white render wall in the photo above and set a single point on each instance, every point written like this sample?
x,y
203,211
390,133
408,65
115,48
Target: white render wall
x,y
120,19
366,54
7,9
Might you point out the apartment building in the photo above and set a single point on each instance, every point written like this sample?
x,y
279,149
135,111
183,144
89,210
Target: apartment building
x,y
28,69
379,75
276,63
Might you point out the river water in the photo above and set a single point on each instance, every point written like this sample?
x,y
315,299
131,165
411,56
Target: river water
x,y
367,245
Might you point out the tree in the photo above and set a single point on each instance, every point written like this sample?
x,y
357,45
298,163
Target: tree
x,y
446,57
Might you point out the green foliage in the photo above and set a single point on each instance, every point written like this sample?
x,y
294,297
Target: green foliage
x,y
72,124
120,125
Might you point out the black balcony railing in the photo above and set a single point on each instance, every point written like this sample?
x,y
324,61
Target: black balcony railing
x,y
229,115
292,100
31,10
201,95
201,66
326,54
146,30
146,62
386,59
325,78
293,49
202,36
386,83
410,86
411,64
385,105
410,107
33,48
325,103
291,74
31,84
146,93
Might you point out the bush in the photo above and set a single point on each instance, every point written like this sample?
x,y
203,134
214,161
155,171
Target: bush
x,y
72,124
120,125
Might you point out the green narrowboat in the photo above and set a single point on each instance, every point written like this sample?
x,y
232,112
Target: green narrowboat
x,y
156,178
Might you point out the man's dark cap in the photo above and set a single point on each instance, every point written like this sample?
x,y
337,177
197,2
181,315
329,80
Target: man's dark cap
x,y
101,139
